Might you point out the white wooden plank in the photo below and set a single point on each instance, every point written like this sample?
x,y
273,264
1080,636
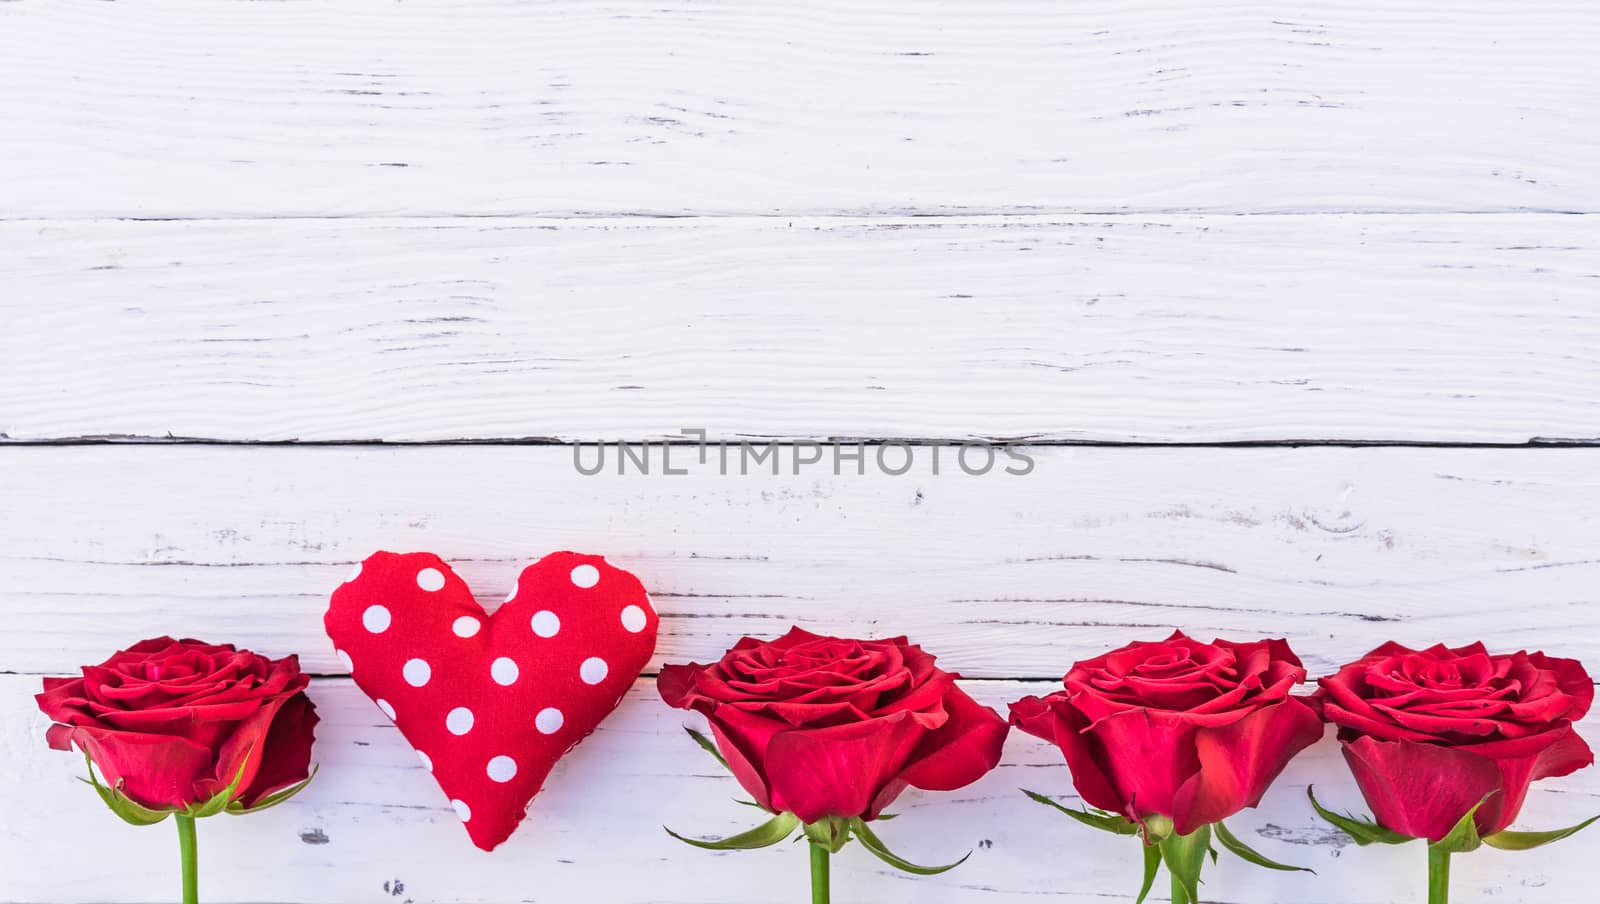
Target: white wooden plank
x,y
1003,576
373,826
1172,329
193,108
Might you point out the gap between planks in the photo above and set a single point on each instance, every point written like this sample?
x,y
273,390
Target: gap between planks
x,y
866,215
874,442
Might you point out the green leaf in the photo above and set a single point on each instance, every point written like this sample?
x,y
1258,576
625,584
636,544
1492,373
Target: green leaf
x,y
767,834
1522,841
128,810
1152,864
273,799
1244,851
221,799
707,745
874,844
1362,831
1105,822
1464,837
1185,855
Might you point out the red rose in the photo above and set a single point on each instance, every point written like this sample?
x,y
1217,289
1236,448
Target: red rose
x,y
826,726
1191,731
1431,733
173,722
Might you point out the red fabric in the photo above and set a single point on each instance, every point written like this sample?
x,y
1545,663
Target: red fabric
x,y
567,613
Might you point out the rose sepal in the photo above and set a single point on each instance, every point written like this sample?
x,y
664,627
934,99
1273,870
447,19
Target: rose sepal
x,y
708,746
135,813
219,801
1362,832
1152,865
1526,841
1184,856
128,810
769,833
236,808
711,748
831,833
875,845
1463,837
1094,819
1162,844
1249,854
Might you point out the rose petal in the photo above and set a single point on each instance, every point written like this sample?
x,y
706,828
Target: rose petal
x,y
675,684
153,770
1151,755
1420,790
1521,762
1239,761
285,754
959,752
1572,678
743,737
837,771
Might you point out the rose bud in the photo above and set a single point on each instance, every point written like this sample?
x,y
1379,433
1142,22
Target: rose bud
x,y
825,732
1171,738
173,725
1432,734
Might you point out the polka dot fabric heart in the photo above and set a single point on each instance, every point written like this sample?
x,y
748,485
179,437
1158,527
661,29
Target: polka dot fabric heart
x,y
492,702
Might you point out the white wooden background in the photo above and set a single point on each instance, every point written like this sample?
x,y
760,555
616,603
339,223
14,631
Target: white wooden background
x,y
1297,305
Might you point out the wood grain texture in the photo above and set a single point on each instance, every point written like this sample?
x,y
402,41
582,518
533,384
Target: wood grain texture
x,y
487,220
1170,329
1002,576
193,108
373,826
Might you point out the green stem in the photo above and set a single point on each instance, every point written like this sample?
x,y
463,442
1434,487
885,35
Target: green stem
x,y
1179,894
819,874
1438,876
186,853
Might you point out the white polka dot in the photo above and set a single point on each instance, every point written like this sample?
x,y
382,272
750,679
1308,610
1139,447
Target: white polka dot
x,y
354,573
633,619
549,720
459,720
504,671
593,670
345,660
466,626
430,579
387,709
416,672
376,619
585,576
513,594
462,810
502,769
545,623
426,763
